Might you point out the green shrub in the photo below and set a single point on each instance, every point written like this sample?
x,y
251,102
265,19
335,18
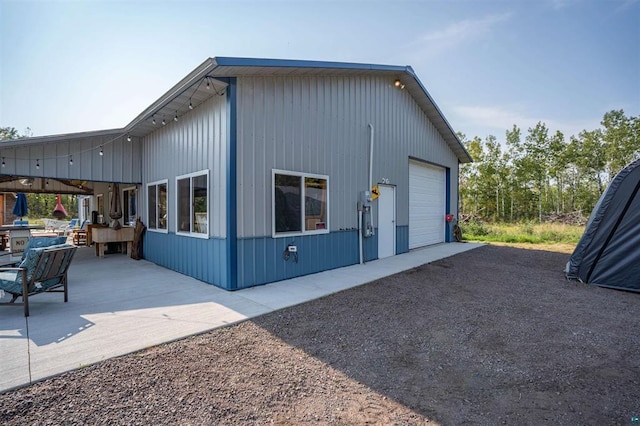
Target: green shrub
x,y
473,228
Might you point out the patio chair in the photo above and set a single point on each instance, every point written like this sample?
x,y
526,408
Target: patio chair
x,y
43,270
73,224
80,235
39,242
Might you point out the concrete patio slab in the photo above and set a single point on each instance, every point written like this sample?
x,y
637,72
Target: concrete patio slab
x,y
118,305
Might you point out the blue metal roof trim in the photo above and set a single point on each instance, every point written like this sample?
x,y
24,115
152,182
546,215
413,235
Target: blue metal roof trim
x,y
290,63
294,63
411,72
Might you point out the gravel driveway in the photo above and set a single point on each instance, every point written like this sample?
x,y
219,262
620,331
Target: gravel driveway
x,y
491,336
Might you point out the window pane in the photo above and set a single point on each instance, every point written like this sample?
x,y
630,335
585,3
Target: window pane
x,y
100,205
288,215
162,206
200,204
315,204
184,205
151,195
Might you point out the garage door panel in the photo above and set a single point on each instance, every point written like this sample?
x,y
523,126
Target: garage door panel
x,y
426,204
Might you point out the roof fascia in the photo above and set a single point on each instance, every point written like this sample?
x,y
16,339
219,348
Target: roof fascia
x,y
200,72
290,63
412,73
61,137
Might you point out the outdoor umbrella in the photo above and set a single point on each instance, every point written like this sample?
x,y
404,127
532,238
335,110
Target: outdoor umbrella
x,y
20,209
115,212
58,211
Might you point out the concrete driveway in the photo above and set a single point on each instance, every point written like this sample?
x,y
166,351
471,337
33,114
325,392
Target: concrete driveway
x,y
118,305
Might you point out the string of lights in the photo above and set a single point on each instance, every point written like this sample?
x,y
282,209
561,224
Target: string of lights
x,y
100,146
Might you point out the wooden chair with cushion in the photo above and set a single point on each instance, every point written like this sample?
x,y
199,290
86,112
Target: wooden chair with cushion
x,y
79,236
43,269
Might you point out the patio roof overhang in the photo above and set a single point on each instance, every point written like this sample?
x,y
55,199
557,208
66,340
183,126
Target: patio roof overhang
x,y
40,185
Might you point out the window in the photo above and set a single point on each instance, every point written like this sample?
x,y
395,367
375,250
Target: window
x,y
100,203
157,206
129,206
192,202
300,203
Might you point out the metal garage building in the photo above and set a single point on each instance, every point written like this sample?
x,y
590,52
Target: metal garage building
x,y
249,171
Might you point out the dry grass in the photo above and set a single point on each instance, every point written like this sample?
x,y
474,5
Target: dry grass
x,y
554,247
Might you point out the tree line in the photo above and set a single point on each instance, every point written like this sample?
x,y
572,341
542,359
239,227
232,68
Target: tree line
x,y
530,176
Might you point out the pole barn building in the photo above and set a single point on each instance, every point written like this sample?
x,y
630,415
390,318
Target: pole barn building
x,y
250,171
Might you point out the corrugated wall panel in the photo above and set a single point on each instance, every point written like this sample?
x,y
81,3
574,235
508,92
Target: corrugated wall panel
x,y
319,125
120,162
196,142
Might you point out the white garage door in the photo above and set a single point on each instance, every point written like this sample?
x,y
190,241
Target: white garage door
x,y
426,204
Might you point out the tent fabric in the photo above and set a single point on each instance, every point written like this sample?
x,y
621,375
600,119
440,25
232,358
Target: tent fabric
x,y
608,254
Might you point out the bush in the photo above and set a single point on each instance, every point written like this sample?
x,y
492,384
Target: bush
x,y
473,228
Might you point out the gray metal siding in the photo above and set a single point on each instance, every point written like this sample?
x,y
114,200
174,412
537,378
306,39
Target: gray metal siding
x,y
318,124
195,143
120,162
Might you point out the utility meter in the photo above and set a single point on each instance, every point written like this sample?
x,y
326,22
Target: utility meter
x,y
364,206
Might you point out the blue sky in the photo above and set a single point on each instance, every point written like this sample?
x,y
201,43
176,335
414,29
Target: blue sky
x,y
80,66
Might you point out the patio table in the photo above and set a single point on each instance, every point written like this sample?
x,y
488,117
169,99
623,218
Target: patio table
x,y
102,236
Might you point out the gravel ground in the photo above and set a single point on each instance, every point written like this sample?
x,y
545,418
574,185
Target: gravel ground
x,y
492,336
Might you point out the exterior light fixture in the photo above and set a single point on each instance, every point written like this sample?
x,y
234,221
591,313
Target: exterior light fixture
x,y
71,160
128,138
153,120
3,163
175,118
208,85
190,104
163,122
101,151
38,163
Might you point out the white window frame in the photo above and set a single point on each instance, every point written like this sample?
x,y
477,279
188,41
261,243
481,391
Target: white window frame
x,y
125,215
190,176
302,176
146,197
100,197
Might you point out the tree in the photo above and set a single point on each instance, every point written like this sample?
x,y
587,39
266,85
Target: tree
x,y
545,173
621,136
7,133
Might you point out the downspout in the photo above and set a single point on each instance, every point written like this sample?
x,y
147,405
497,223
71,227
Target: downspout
x,y
360,207
360,246
370,158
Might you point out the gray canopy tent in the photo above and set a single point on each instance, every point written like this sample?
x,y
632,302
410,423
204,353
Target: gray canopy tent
x,y
608,254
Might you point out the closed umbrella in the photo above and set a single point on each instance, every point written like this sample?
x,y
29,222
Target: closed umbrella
x,y
20,209
115,211
58,211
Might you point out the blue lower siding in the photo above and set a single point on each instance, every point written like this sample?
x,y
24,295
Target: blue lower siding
x,y
402,239
260,260
203,259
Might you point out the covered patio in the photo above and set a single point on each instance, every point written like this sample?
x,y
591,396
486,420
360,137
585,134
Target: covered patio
x,y
118,305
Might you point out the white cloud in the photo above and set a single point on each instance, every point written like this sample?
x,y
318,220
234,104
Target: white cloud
x,y
496,120
467,29
561,4
455,34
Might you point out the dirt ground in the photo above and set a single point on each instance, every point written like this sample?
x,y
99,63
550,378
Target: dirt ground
x,y
492,336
